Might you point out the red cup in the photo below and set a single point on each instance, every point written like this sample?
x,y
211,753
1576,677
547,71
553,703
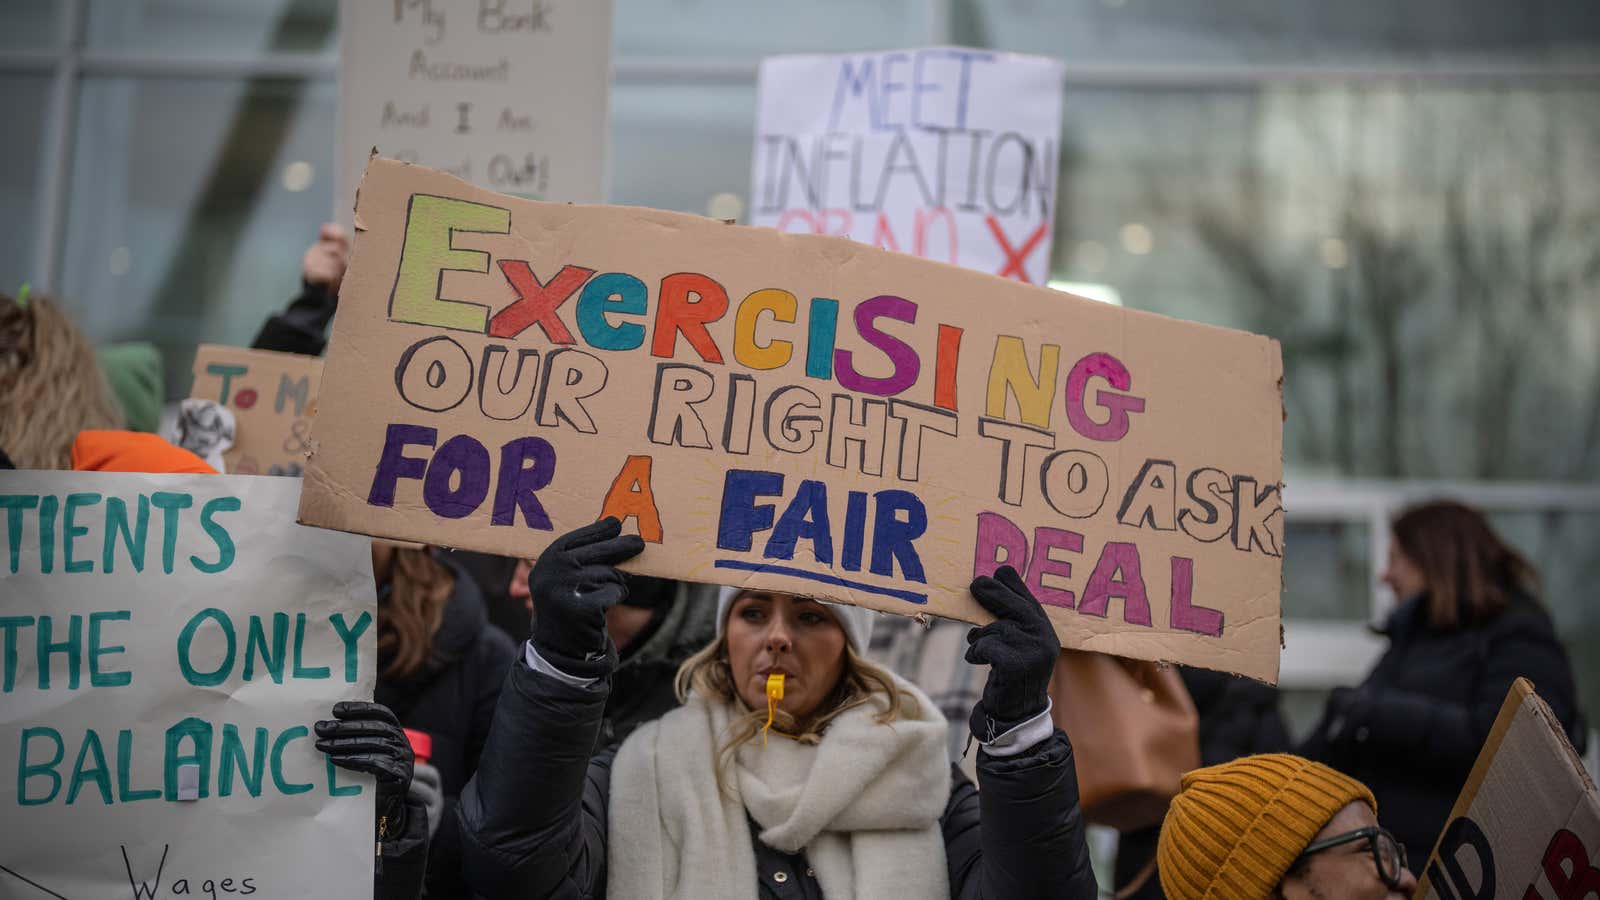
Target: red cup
x,y
421,745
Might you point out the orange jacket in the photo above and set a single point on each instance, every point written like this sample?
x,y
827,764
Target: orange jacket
x,y
133,451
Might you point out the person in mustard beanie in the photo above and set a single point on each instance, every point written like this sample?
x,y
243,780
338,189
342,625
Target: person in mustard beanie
x,y
1278,827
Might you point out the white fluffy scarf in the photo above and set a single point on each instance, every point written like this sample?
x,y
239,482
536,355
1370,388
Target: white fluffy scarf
x,y
864,804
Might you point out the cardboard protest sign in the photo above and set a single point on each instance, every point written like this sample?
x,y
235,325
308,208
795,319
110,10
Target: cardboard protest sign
x,y
1527,824
273,397
798,413
167,642
509,94
947,153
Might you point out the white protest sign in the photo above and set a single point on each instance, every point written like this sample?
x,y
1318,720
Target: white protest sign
x,y
508,94
167,643
945,153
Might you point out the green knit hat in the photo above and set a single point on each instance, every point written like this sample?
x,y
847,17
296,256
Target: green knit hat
x,y
137,380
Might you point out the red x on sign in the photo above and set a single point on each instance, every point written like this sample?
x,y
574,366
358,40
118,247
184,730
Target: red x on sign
x,y
1015,256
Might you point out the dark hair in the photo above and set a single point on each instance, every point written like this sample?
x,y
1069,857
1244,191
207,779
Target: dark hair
x,y
1470,572
413,609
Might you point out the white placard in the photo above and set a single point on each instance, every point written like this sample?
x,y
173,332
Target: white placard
x,y
166,642
946,153
508,94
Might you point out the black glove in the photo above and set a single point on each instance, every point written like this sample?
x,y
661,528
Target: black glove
x,y
366,737
1020,648
573,584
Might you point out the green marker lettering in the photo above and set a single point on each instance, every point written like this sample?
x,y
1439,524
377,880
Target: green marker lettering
x,y
71,531
98,678
351,636
47,532
297,390
133,539
27,770
428,251
125,790
225,548
169,503
11,625
186,638
274,657
232,758
227,373
14,504
301,671
200,731
286,787
72,647
99,773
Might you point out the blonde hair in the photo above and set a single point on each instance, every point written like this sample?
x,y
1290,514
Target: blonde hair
x,y
409,616
51,386
709,674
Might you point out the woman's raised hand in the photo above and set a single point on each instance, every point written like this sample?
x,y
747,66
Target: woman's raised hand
x,y
573,583
1020,647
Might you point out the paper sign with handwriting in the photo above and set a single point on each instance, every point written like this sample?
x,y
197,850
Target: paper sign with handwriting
x,y
1527,824
946,153
273,397
508,94
168,642
799,413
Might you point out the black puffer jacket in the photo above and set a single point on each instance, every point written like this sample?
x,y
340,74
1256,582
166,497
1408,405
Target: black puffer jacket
x,y
1238,716
453,700
1412,730
403,862
303,327
534,817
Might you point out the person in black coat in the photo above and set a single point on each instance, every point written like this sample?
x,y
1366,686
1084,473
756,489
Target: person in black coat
x,y
1238,716
1467,628
657,625
841,786
366,737
440,669
441,663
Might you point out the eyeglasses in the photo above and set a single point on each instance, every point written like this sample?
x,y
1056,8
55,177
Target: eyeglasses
x,y
1387,853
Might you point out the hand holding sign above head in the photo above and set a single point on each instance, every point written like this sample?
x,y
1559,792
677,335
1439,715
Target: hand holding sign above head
x,y
775,418
573,583
1020,647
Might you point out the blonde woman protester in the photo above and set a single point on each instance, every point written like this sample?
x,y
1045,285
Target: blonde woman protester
x,y
847,794
51,387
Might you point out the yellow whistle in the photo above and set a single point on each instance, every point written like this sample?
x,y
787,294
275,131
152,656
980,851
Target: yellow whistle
x,y
774,694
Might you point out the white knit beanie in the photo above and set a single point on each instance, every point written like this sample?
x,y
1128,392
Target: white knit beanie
x,y
855,620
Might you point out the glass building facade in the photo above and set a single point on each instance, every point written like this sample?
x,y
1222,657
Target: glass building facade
x,y
1404,194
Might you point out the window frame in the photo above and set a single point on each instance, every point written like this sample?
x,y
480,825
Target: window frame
x,y
1322,653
